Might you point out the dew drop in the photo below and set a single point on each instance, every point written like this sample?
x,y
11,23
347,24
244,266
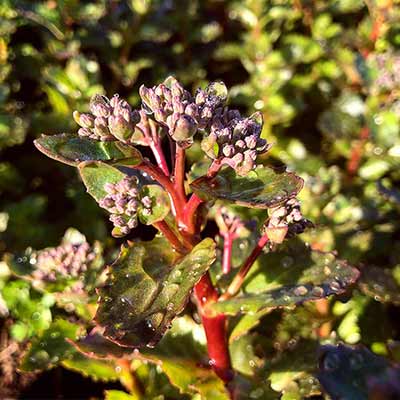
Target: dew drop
x,y
317,291
356,361
55,335
300,291
256,394
36,316
335,286
287,262
330,362
118,369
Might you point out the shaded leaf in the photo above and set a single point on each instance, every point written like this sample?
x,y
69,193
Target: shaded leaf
x,y
380,284
182,356
292,373
261,188
357,374
95,345
73,149
147,287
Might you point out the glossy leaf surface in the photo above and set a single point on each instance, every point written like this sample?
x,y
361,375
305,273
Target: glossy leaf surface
x,y
73,149
147,287
311,275
261,188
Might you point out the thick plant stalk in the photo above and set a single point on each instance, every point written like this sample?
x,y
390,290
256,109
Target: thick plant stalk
x,y
191,213
163,227
159,156
237,281
215,329
179,173
157,174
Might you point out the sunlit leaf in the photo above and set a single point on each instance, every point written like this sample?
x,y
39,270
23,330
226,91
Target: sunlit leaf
x,y
73,149
261,188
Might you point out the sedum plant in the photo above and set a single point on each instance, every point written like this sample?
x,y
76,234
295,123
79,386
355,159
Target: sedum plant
x,y
135,163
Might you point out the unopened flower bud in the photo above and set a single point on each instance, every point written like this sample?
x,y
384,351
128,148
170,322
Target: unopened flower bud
x,y
120,127
99,106
184,129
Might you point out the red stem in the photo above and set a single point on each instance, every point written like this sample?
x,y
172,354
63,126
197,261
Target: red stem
x,y
179,172
227,254
190,213
215,329
164,228
157,150
195,201
244,269
157,174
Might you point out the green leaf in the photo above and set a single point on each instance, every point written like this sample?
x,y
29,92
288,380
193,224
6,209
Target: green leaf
x,y
244,323
98,370
95,174
292,373
182,356
160,204
73,149
51,347
357,374
148,286
28,306
311,275
380,284
261,188
119,395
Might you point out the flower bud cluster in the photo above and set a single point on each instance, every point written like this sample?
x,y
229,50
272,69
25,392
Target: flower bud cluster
x,y
388,70
183,114
110,119
122,202
228,222
235,140
68,261
289,215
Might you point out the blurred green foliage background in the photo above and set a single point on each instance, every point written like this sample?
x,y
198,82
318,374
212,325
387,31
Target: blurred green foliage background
x,y
325,74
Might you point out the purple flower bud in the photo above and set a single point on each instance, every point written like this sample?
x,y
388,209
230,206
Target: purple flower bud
x,y
120,127
132,223
192,110
177,105
176,89
240,144
110,188
146,201
84,132
201,96
107,202
251,141
117,220
160,115
184,128
228,150
99,106
132,205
